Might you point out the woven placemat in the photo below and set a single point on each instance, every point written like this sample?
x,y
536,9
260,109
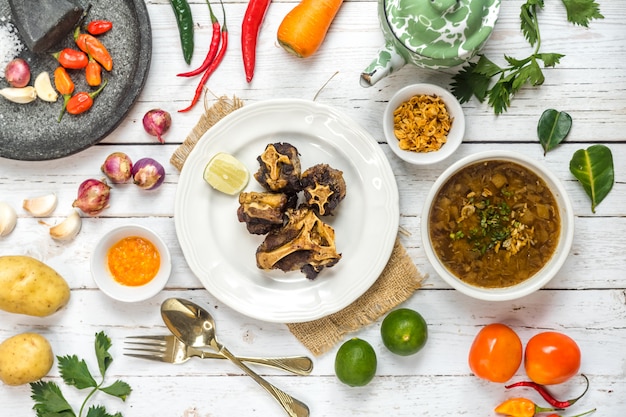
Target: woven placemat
x,y
398,281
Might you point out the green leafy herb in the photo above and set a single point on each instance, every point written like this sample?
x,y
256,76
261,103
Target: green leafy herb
x,y
49,400
593,167
476,79
553,127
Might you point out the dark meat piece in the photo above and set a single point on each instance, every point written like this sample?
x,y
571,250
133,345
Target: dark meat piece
x,y
262,212
324,188
279,169
305,243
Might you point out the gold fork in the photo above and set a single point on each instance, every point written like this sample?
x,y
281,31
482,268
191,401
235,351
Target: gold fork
x,y
171,350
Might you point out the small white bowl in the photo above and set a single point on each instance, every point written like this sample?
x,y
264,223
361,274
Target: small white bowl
x,y
455,135
541,277
126,293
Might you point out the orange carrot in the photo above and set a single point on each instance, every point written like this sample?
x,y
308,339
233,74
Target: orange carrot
x,y
304,28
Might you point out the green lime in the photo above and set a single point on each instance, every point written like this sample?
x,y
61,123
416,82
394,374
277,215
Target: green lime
x,y
355,363
404,332
226,173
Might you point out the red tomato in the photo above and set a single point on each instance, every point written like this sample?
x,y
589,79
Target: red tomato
x,y
551,358
496,353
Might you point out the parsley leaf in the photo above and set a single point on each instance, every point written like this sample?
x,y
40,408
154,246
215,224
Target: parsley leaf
x,y
49,400
581,12
479,79
75,372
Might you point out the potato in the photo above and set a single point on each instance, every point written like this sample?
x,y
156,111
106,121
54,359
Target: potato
x,y
28,286
24,358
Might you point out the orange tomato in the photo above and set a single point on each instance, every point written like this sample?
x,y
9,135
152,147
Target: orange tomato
x,y
551,358
496,353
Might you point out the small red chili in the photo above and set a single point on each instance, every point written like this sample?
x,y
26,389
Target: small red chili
x,y
93,73
212,67
210,56
543,391
98,27
65,86
96,49
250,27
577,415
83,101
71,58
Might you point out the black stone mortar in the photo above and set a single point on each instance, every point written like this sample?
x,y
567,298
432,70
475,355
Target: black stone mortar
x,y
30,132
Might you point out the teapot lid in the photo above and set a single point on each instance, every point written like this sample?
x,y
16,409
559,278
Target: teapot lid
x,y
442,29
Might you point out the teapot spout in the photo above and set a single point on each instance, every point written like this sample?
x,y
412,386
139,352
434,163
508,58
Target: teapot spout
x,y
387,62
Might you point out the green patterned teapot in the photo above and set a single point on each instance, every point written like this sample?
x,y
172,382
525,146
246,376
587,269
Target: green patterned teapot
x,y
430,34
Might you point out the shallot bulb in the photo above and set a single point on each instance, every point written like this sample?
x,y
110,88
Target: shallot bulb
x,y
148,173
17,73
118,167
93,196
156,122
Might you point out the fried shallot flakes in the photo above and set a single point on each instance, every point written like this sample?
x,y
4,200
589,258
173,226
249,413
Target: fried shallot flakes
x,y
422,123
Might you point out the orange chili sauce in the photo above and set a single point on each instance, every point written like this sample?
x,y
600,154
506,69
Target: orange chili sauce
x,y
133,261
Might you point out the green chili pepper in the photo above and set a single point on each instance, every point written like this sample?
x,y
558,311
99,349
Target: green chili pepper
x,y
184,19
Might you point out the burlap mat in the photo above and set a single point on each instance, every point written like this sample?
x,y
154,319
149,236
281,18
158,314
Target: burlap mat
x,y
399,279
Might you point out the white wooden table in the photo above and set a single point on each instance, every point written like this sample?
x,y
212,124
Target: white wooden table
x,y
586,300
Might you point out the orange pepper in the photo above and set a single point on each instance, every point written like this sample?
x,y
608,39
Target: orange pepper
x,y
94,48
65,86
521,407
81,102
93,73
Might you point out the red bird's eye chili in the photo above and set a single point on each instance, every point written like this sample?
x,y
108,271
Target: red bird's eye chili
x,y
521,407
577,415
81,102
65,86
93,73
543,391
98,27
210,56
99,52
250,27
71,58
212,67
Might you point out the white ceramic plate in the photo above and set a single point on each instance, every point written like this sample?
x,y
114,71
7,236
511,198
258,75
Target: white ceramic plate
x,y
221,252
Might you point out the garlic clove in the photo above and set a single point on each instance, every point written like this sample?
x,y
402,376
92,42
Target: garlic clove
x,y
41,206
21,95
8,219
68,228
44,89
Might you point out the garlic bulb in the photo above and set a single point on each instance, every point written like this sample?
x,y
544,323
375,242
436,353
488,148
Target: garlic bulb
x,y
41,206
8,218
68,228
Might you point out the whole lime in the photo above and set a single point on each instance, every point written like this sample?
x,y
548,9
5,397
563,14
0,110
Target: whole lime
x,y
404,331
355,363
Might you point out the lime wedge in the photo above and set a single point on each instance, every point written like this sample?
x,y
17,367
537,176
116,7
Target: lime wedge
x,y
226,173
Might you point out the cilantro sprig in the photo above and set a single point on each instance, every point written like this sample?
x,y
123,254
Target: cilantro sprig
x,y
476,78
49,400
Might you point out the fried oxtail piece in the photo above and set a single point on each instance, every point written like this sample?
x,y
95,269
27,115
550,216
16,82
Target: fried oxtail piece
x,y
305,243
262,212
324,188
279,169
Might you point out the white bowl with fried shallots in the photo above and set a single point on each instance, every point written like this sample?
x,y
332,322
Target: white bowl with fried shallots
x,y
423,124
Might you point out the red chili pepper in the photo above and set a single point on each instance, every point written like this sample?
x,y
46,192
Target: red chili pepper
x,y
212,67
543,391
521,407
92,46
71,58
577,415
81,102
98,27
215,42
250,27
93,73
65,86
80,39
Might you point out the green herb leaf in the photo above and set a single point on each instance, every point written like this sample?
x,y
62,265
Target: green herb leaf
x,y
468,83
99,411
553,127
500,96
593,167
550,59
528,19
75,372
119,389
581,12
49,400
103,344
